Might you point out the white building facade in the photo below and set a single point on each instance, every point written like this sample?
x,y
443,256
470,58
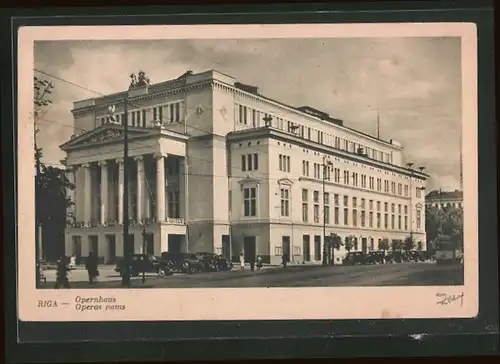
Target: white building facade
x,y
215,166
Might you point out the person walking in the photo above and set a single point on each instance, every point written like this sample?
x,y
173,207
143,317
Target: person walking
x,y
259,263
91,267
242,262
62,274
284,260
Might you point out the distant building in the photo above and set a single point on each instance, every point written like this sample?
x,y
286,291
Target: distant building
x,y
443,199
216,166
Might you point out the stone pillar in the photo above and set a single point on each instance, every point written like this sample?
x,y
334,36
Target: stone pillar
x,y
160,187
87,189
139,185
121,191
182,188
104,192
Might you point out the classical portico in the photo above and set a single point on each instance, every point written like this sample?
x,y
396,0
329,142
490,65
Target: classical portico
x,y
156,193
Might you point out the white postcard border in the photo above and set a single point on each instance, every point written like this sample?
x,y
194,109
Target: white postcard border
x,y
247,303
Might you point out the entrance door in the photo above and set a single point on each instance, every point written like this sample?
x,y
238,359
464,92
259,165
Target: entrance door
x,y
77,249
94,245
174,243
130,244
306,248
285,245
150,243
226,247
317,248
364,245
111,240
249,249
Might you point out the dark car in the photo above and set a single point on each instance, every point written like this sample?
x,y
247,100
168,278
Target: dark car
x,y
375,257
141,263
214,262
181,262
353,258
395,257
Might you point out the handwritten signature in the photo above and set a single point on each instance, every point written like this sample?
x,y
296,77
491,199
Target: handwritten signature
x,y
444,299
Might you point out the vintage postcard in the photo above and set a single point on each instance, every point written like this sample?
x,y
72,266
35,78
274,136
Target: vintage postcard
x,y
247,172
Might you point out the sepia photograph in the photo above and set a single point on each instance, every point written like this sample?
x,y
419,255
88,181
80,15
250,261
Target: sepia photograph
x,y
188,161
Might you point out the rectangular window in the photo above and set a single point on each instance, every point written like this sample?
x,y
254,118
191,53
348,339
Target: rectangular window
x,y
177,111
363,203
336,199
346,200
280,157
250,201
326,204
393,188
399,222
243,163
316,196
386,221
399,208
255,161
379,184
336,215
406,210
400,189
419,221
346,217
370,219
386,206
378,205
172,112
305,206
370,204
406,190
249,162
393,207
406,222
378,220
354,218
363,218
285,202
392,221
254,117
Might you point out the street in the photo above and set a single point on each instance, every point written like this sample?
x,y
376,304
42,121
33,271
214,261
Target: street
x,y
403,274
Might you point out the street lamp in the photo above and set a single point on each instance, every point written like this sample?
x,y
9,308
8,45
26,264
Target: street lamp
x,y
326,164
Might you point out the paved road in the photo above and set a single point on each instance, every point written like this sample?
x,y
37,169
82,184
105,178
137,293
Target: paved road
x,y
406,274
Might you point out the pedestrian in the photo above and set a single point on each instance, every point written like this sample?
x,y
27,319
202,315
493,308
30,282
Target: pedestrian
x,y
284,260
91,267
72,262
252,264
242,262
62,274
259,262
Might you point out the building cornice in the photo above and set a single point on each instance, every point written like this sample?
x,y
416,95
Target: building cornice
x,y
280,135
270,102
118,99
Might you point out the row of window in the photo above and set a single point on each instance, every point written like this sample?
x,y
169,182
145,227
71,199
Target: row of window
x,y
353,179
169,113
250,116
250,162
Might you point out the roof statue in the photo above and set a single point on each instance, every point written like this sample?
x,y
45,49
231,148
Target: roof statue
x,y
139,80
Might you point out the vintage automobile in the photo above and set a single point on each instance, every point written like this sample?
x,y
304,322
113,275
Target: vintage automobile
x,y
214,262
140,263
374,257
181,262
353,258
395,257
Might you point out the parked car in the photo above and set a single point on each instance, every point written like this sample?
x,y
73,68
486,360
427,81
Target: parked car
x,y
181,262
214,262
375,257
142,263
395,257
353,258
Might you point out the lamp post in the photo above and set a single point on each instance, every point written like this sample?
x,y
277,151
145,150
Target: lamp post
x,y
126,248
144,254
326,164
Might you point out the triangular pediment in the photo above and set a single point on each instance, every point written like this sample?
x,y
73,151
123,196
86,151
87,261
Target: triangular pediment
x,y
285,182
249,180
107,133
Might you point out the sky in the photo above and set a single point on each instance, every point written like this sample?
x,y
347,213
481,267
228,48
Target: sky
x,y
415,83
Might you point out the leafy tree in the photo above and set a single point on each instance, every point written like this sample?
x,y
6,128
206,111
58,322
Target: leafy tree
x,y
349,243
335,242
51,184
409,243
397,245
383,245
446,221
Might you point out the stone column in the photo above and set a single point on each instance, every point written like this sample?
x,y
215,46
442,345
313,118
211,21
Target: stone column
x,y
121,191
104,192
140,185
87,189
182,188
160,187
